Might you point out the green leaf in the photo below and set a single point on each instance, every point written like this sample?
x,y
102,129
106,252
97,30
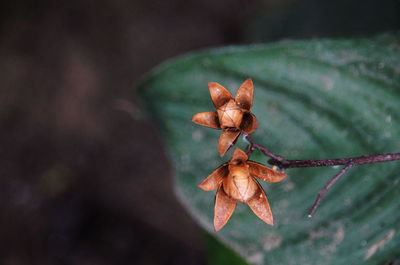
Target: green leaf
x,y
313,99
218,254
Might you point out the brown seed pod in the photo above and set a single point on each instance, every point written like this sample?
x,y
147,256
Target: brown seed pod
x,y
232,115
236,181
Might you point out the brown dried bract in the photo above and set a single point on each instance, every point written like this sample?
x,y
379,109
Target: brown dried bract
x,y
232,115
236,181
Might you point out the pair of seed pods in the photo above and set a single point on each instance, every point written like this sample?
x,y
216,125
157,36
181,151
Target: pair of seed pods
x,y
236,179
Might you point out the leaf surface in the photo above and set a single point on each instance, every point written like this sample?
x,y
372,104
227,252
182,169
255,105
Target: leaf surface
x,y
314,99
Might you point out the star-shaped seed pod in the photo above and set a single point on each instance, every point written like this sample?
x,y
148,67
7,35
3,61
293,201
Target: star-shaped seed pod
x,y
232,115
236,181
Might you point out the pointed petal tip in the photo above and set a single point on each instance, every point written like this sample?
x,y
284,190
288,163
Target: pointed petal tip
x,y
195,117
227,140
219,224
222,149
249,81
223,209
219,94
201,186
218,227
208,119
239,155
244,95
205,187
260,206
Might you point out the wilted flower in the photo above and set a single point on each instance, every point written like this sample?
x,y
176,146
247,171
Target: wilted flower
x,y
232,115
236,181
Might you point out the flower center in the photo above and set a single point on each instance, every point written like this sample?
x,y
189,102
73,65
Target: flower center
x,y
230,115
239,185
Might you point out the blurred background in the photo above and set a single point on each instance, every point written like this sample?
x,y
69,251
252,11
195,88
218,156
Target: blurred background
x,y
84,179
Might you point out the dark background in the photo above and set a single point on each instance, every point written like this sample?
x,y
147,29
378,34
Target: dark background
x,y
83,178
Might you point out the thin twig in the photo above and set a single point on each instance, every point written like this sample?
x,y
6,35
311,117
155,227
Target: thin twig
x,y
360,160
330,183
348,163
253,145
284,163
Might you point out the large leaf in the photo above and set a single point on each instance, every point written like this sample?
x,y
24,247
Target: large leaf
x,y
313,100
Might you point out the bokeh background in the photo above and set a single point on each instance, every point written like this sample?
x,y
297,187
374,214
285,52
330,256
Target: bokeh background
x,y
84,178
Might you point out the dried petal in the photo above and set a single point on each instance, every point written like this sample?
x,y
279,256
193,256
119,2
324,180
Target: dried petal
x,y
239,156
223,209
244,95
208,119
214,180
265,173
219,94
226,140
230,115
249,123
260,206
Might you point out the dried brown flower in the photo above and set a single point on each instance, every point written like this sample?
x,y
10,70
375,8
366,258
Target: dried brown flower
x,y
232,115
236,181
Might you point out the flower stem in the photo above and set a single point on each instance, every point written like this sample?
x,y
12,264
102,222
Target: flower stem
x,y
330,183
360,160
